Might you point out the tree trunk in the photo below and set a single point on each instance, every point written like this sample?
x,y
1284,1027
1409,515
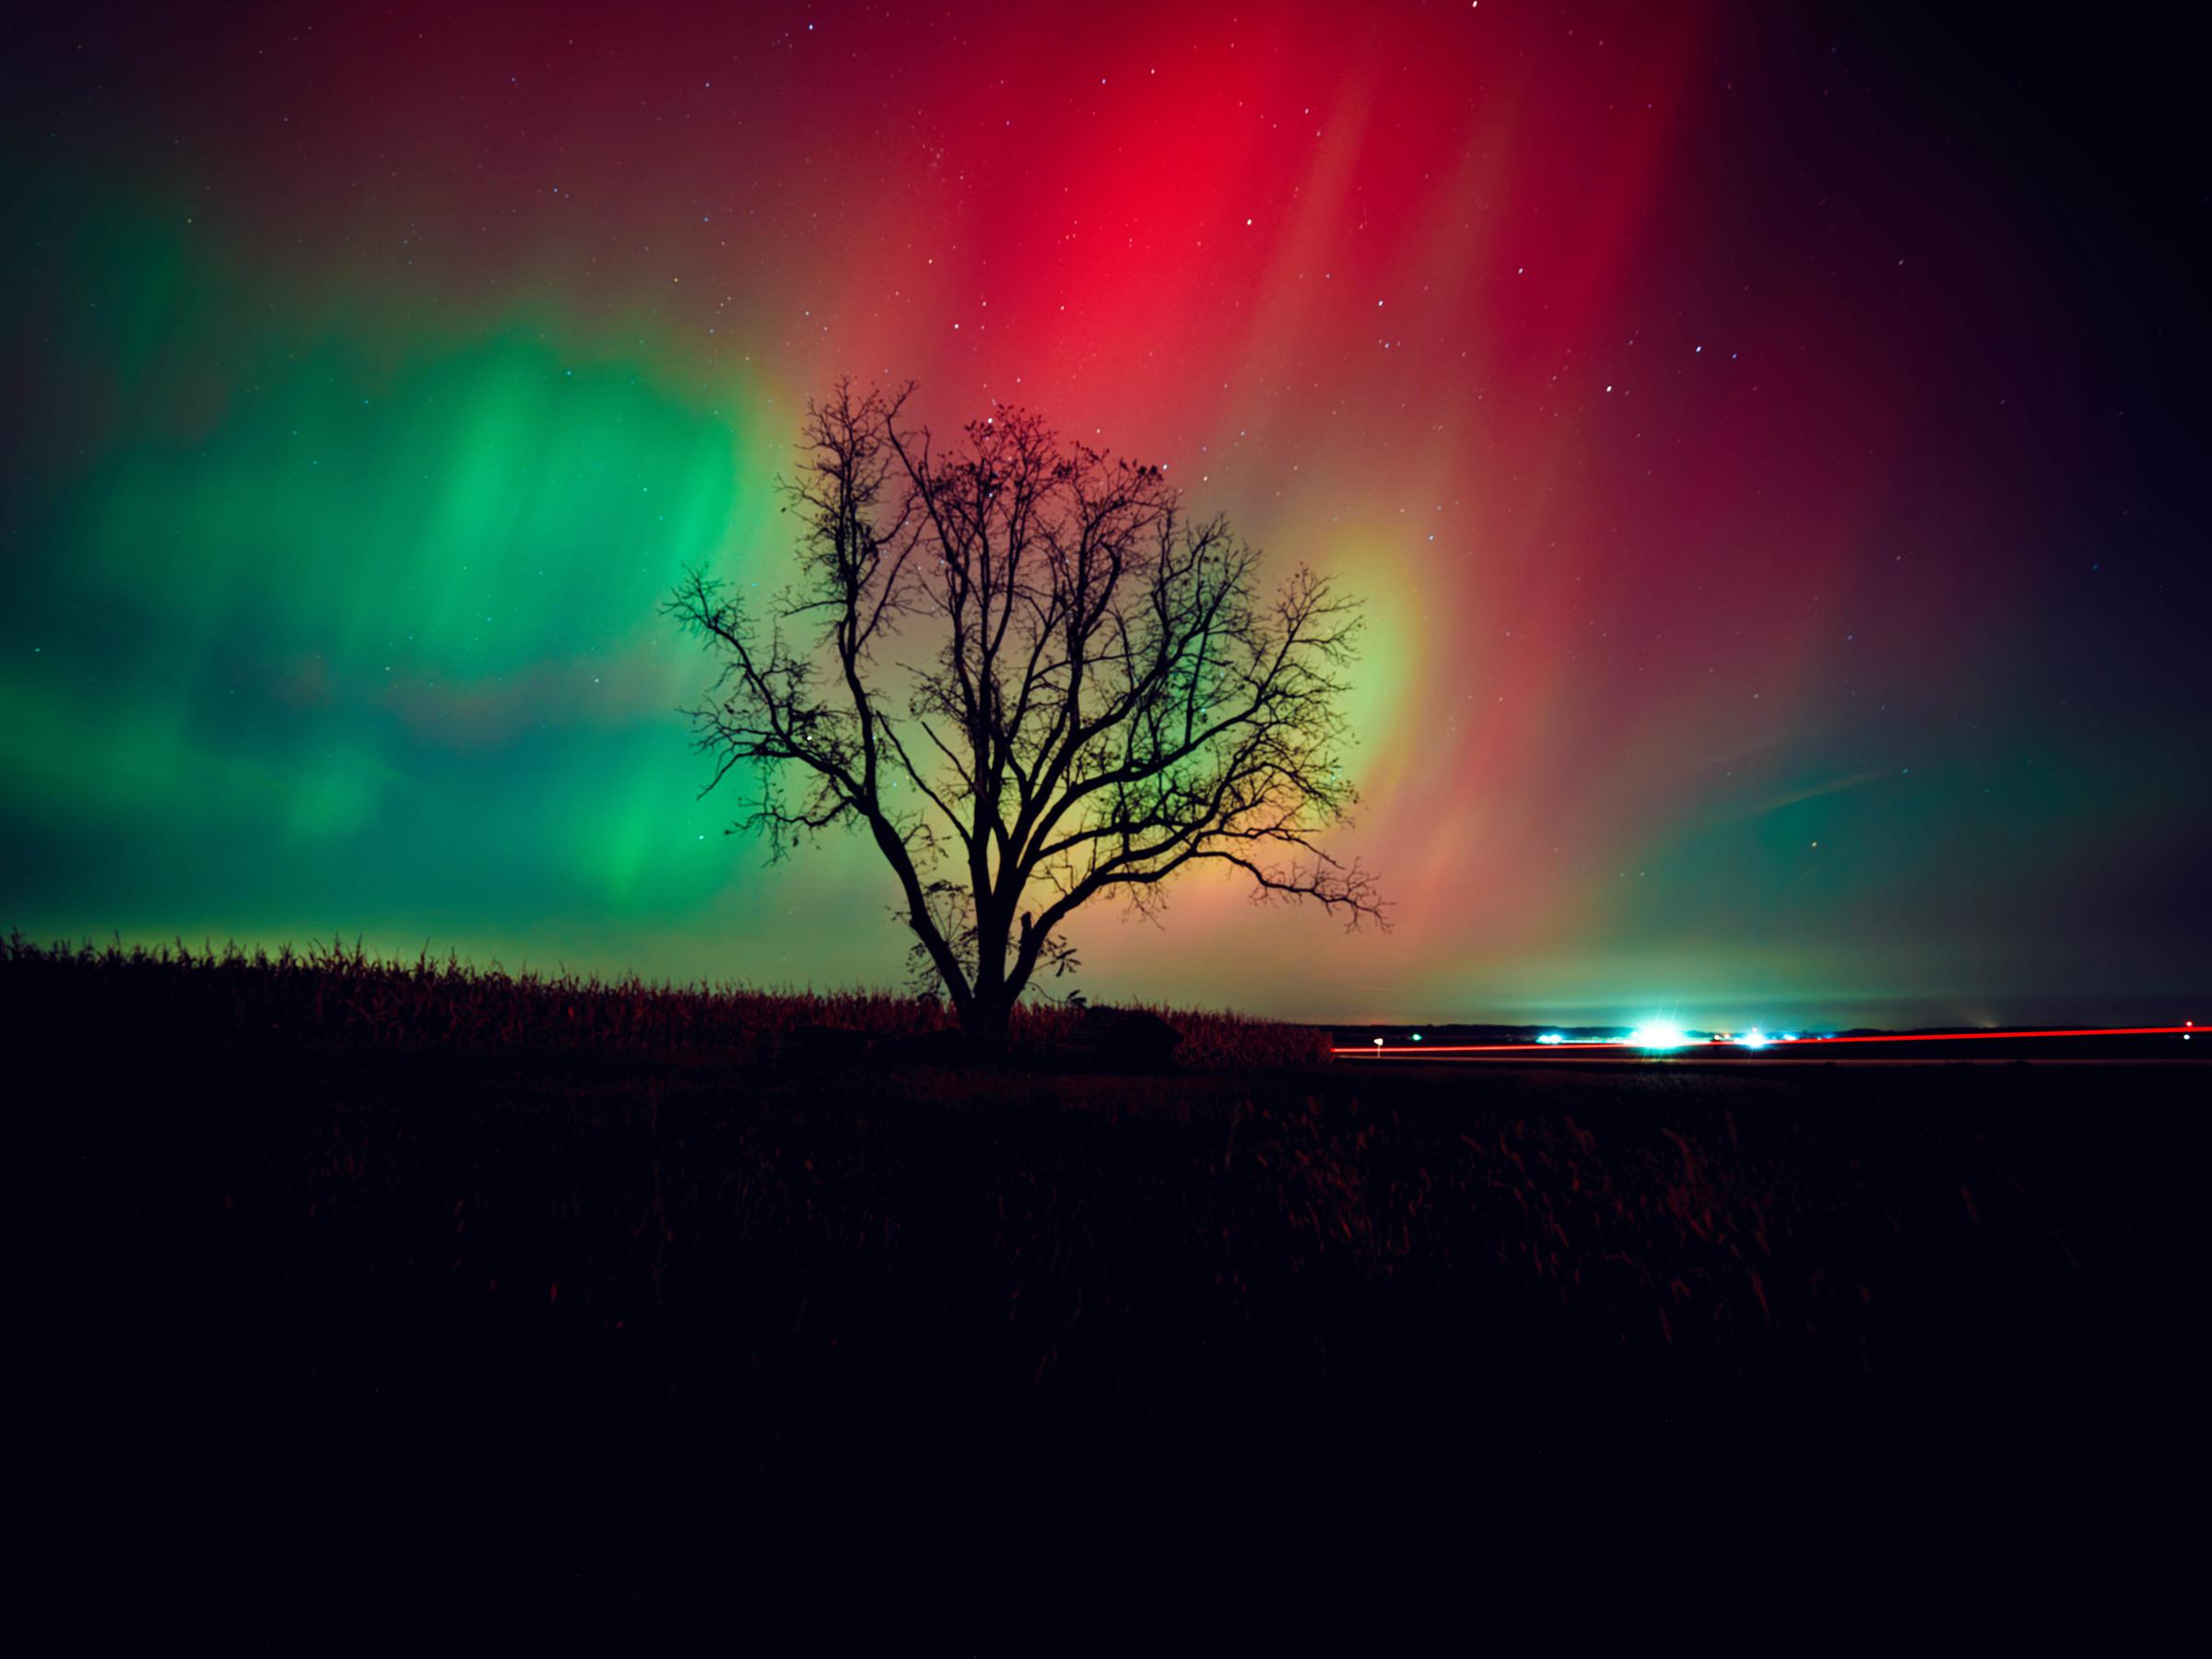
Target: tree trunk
x,y
986,1019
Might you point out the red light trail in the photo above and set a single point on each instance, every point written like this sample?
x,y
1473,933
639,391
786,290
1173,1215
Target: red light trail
x,y
1381,1049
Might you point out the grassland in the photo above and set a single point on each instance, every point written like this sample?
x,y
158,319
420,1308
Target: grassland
x,y
334,1239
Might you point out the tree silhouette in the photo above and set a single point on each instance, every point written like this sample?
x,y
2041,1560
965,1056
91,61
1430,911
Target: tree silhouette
x,y
1101,698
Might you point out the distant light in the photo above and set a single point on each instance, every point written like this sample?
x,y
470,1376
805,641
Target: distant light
x,y
1658,1036
1753,1039
1417,1036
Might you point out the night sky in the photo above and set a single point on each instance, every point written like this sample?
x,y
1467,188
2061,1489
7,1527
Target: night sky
x,y
1770,439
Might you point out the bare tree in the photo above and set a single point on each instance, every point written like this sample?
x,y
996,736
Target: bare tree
x,y
1103,698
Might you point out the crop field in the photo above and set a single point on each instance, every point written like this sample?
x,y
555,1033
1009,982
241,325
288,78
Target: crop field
x,y
337,998
334,1239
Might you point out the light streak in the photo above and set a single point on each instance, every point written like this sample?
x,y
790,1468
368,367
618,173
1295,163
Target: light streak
x,y
1635,1043
1968,1036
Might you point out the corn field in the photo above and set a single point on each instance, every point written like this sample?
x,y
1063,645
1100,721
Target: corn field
x,y
342,995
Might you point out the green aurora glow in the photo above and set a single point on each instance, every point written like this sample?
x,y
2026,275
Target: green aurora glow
x,y
339,520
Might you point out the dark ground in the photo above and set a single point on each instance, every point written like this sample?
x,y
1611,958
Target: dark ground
x,y
327,1322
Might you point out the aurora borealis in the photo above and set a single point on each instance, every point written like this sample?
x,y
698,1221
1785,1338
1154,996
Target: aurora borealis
x,y
1770,446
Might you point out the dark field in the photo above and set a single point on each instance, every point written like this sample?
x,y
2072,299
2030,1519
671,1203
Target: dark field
x,y
328,1283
